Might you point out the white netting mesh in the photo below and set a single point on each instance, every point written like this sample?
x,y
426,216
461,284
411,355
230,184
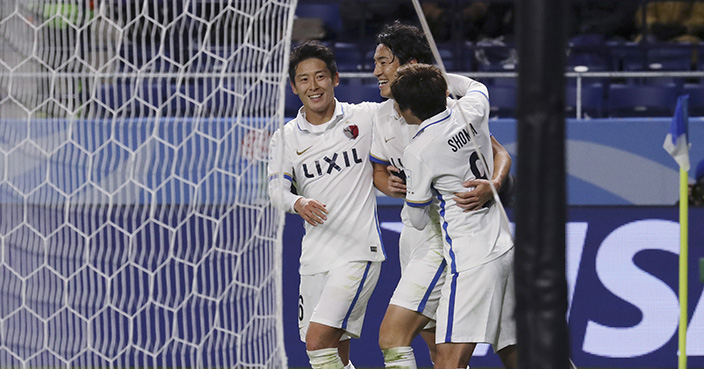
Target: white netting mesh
x,y
134,224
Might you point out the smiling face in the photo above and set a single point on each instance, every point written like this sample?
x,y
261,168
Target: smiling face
x,y
385,66
314,85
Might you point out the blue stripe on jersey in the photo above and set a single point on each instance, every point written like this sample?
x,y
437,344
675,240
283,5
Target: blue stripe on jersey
x,y
415,204
453,264
451,308
378,231
430,124
374,159
286,176
480,91
438,274
356,296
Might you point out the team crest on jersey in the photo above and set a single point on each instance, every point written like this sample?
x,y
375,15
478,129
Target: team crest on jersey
x,y
352,131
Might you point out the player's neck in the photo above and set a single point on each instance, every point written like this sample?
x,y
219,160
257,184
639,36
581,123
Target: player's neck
x,y
320,117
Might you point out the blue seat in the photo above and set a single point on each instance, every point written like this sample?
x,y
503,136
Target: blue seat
x,y
495,57
592,100
357,93
666,57
502,101
589,51
696,99
329,12
631,100
118,96
348,57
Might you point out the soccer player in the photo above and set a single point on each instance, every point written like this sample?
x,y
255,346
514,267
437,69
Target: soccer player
x,y
324,152
477,300
412,308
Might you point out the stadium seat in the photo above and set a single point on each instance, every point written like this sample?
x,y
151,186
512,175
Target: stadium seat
x,y
348,57
631,100
116,96
671,58
626,55
329,12
592,100
495,56
588,51
696,99
356,93
502,101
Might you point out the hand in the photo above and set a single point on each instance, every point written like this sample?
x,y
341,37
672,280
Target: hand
x,y
395,184
311,210
479,194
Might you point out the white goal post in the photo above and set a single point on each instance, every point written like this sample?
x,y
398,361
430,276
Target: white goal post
x,y
135,228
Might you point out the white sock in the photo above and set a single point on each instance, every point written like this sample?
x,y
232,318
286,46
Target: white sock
x,y
399,358
325,359
350,365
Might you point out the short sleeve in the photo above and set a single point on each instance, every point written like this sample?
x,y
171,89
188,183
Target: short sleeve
x,y
378,154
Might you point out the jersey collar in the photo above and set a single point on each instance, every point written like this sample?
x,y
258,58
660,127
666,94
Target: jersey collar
x,y
445,115
303,124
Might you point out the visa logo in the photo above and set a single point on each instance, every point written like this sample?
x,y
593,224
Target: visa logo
x,y
624,282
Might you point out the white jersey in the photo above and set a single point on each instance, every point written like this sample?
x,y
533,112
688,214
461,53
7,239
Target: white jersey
x,y
392,134
330,163
437,164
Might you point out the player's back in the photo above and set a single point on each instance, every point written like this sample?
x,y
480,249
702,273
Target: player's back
x,y
449,156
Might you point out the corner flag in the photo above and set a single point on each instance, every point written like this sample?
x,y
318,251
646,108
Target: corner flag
x,y
676,143
677,146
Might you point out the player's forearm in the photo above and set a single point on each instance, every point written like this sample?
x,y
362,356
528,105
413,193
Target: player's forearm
x,y
382,182
381,177
502,163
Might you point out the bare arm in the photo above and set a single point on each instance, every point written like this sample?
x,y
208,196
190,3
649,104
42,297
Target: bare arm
x,y
481,194
388,183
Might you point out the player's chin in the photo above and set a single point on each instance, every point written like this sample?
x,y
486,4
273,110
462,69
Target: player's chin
x,y
385,91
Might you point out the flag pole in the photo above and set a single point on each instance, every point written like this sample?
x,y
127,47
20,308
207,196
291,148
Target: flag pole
x,y
684,262
677,145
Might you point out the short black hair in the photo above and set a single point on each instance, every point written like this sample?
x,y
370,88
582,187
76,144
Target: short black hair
x,y
421,88
311,49
406,42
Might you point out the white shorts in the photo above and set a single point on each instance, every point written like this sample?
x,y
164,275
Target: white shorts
x,y
477,305
423,276
337,298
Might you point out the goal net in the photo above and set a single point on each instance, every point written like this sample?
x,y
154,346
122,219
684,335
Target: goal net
x,y
135,230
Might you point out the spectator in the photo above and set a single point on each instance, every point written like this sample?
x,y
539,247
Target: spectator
x,y
672,21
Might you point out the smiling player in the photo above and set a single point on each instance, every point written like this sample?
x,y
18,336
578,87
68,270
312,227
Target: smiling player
x,y
324,152
412,309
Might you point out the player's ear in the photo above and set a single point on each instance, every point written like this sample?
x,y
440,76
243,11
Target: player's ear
x,y
336,79
293,88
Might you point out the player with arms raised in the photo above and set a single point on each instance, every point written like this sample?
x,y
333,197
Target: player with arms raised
x,y
477,300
